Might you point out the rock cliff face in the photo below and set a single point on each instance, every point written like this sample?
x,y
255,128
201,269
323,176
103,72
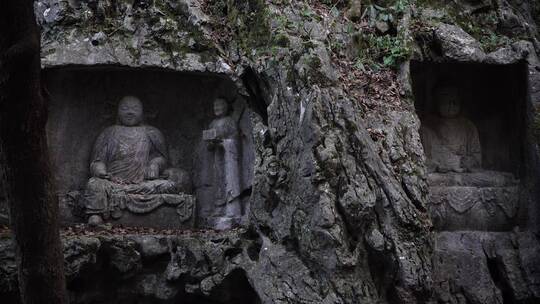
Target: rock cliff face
x,y
338,208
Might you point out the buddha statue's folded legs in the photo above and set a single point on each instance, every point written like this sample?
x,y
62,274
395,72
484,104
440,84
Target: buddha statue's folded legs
x,y
107,198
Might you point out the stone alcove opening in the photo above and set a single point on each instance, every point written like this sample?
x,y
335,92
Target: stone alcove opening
x,y
83,102
493,99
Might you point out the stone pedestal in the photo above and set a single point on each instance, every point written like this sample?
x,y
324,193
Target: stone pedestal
x,y
179,215
177,212
165,217
484,201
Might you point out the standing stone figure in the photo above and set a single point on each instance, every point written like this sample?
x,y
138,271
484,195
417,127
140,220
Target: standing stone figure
x,y
451,141
222,140
128,168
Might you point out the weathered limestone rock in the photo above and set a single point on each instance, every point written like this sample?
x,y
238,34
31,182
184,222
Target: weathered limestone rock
x,y
456,44
481,267
335,214
8,271
163,268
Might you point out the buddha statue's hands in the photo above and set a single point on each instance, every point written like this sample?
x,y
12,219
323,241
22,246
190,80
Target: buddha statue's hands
x,y
153,171
155,167
215,143
212,138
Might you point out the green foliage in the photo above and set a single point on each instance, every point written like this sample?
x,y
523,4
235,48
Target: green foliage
x,y
247,21
307,13
334,2
375,12
491,41
483,27
379,50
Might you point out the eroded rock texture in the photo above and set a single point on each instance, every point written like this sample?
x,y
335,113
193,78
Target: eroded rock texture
x,y
481,267
337,212
199,268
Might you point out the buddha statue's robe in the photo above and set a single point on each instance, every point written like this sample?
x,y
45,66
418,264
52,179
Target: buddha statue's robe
x,y
127,152
451,145
226,161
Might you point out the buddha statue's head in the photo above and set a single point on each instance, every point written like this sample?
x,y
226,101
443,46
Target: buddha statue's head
x,y
448,101
221,107
130,111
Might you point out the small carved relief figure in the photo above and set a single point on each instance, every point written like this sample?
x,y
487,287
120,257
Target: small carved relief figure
x,y
222,140
451,141
128,168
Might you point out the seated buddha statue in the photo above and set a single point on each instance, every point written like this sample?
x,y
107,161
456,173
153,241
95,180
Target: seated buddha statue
x,y
463,195
451,141
129,168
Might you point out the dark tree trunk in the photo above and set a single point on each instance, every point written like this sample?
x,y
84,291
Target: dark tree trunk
x,y
23,147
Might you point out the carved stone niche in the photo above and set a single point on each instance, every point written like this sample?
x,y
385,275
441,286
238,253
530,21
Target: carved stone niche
x,y
473,127
110,167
